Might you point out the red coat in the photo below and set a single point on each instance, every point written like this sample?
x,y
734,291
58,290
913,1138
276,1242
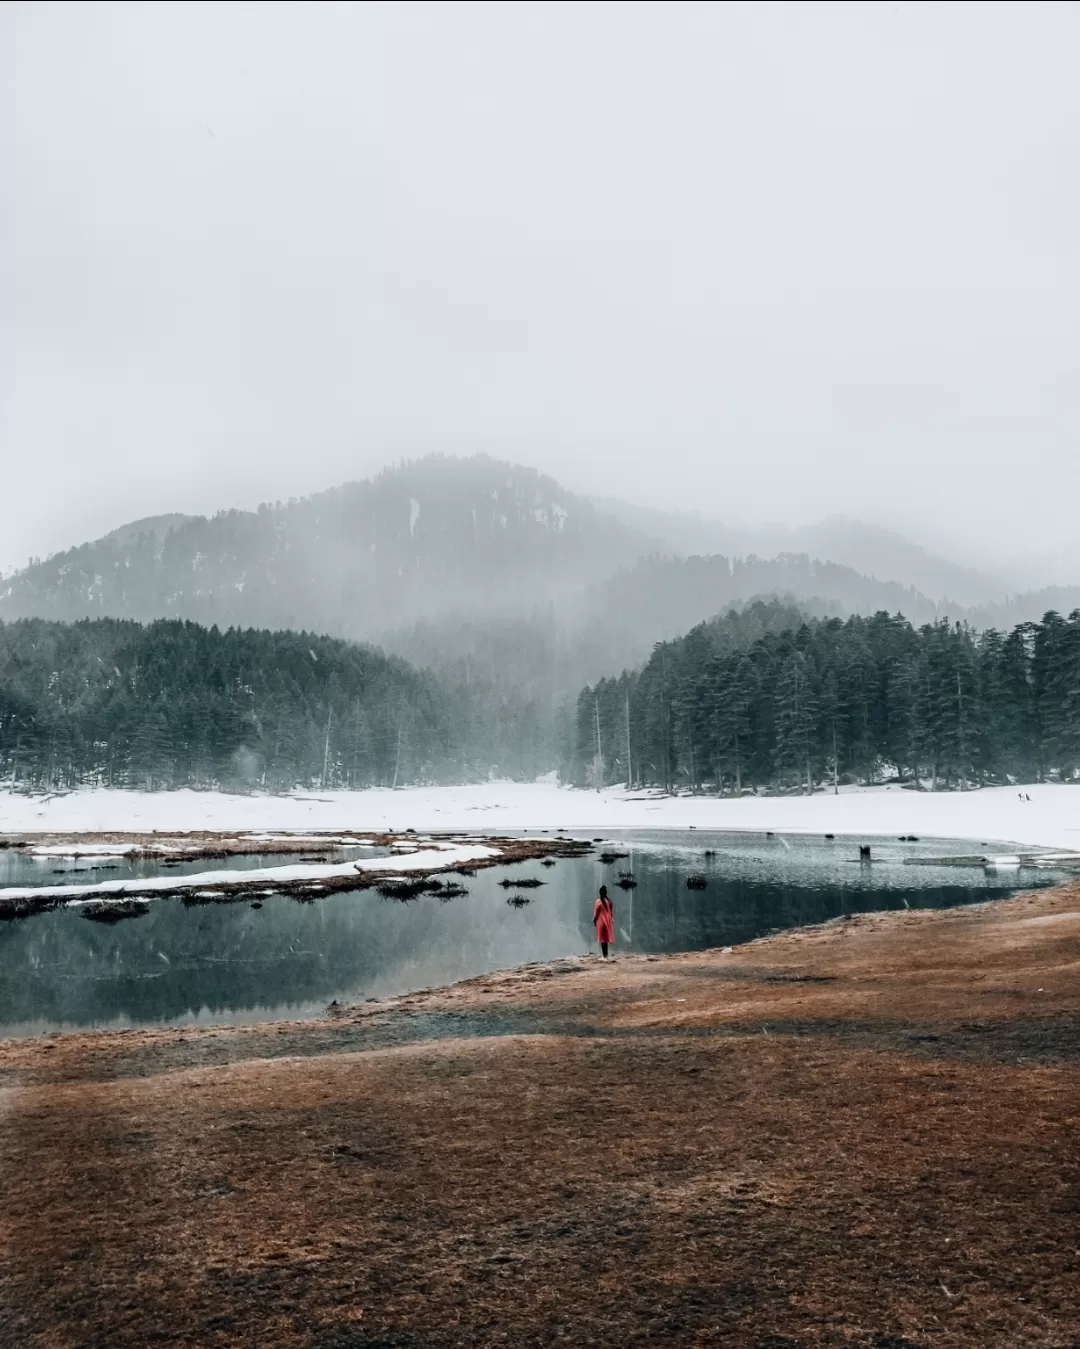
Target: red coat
x,y
603,915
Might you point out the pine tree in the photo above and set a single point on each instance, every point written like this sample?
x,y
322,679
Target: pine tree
x,y
1050,668
741,689
833,724
797,717
902,704
860,692
1017,731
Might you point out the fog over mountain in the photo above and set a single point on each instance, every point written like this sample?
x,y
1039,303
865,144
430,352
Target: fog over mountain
x,y
653,311
882,554
485,566
767,262
436,538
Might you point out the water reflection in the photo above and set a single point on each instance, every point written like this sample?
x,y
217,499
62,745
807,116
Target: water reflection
x,y
235,962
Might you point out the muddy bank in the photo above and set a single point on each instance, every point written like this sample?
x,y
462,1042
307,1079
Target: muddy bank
x,y
430,856
860,1134
190,844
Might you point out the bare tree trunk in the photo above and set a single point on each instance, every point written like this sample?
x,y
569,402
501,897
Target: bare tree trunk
x,y
326,748
961,746
629,761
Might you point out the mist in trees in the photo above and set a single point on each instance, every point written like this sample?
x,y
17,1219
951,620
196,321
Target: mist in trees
x,y
759,698
113,703
765,699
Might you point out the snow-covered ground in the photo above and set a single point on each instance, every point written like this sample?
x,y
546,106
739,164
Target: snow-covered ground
x,y
1051,818
435,858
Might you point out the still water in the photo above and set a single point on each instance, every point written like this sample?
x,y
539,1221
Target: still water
x,y
232,963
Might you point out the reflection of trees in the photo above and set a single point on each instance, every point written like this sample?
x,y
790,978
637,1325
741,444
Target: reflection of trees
x,y
61,968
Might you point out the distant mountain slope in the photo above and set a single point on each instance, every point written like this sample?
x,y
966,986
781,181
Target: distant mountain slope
x,y
659,598
614,623
434,537
888,556
668,591
876,552
512,592
157,525
488,568
1027,607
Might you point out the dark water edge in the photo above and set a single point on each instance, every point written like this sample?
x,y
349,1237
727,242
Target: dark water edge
x,y
235,964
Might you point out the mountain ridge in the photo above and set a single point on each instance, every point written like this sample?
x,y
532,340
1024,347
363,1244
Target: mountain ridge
x,y
873,550
466,546
429,536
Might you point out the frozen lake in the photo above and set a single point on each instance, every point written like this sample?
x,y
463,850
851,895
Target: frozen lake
x,y
233,963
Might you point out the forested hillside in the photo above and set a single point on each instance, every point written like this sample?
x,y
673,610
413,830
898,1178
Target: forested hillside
x,y
174,704
870,550
511,590
760,699
488,545
438,537
508,591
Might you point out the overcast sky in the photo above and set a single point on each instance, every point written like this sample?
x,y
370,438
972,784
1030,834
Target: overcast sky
x,y
766,262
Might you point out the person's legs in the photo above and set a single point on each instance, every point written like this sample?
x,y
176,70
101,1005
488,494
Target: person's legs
x,y
603,947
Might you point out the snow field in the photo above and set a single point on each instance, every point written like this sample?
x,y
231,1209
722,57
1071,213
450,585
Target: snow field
x,y
1051,818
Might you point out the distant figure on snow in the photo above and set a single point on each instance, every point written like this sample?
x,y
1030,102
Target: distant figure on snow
x,y
603,916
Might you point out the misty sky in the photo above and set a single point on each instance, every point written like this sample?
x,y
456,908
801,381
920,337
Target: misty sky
x,y
765,262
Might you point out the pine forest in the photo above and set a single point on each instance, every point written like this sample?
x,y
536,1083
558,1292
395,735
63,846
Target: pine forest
x,y
761,698
753,701
110,702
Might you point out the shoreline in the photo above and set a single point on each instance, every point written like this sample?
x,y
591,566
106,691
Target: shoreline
x,y
735,1144
461,990
127,899
419,857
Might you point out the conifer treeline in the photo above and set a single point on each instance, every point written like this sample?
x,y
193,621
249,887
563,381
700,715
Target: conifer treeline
x,y
175,704
756,700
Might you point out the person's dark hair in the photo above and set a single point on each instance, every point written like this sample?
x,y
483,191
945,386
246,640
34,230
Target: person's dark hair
x,y
603,892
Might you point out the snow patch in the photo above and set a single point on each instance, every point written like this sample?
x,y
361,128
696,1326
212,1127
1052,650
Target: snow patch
x,y
431,859
84,849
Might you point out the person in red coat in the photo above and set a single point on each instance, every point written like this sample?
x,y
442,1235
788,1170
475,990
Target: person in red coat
x,y
603,916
